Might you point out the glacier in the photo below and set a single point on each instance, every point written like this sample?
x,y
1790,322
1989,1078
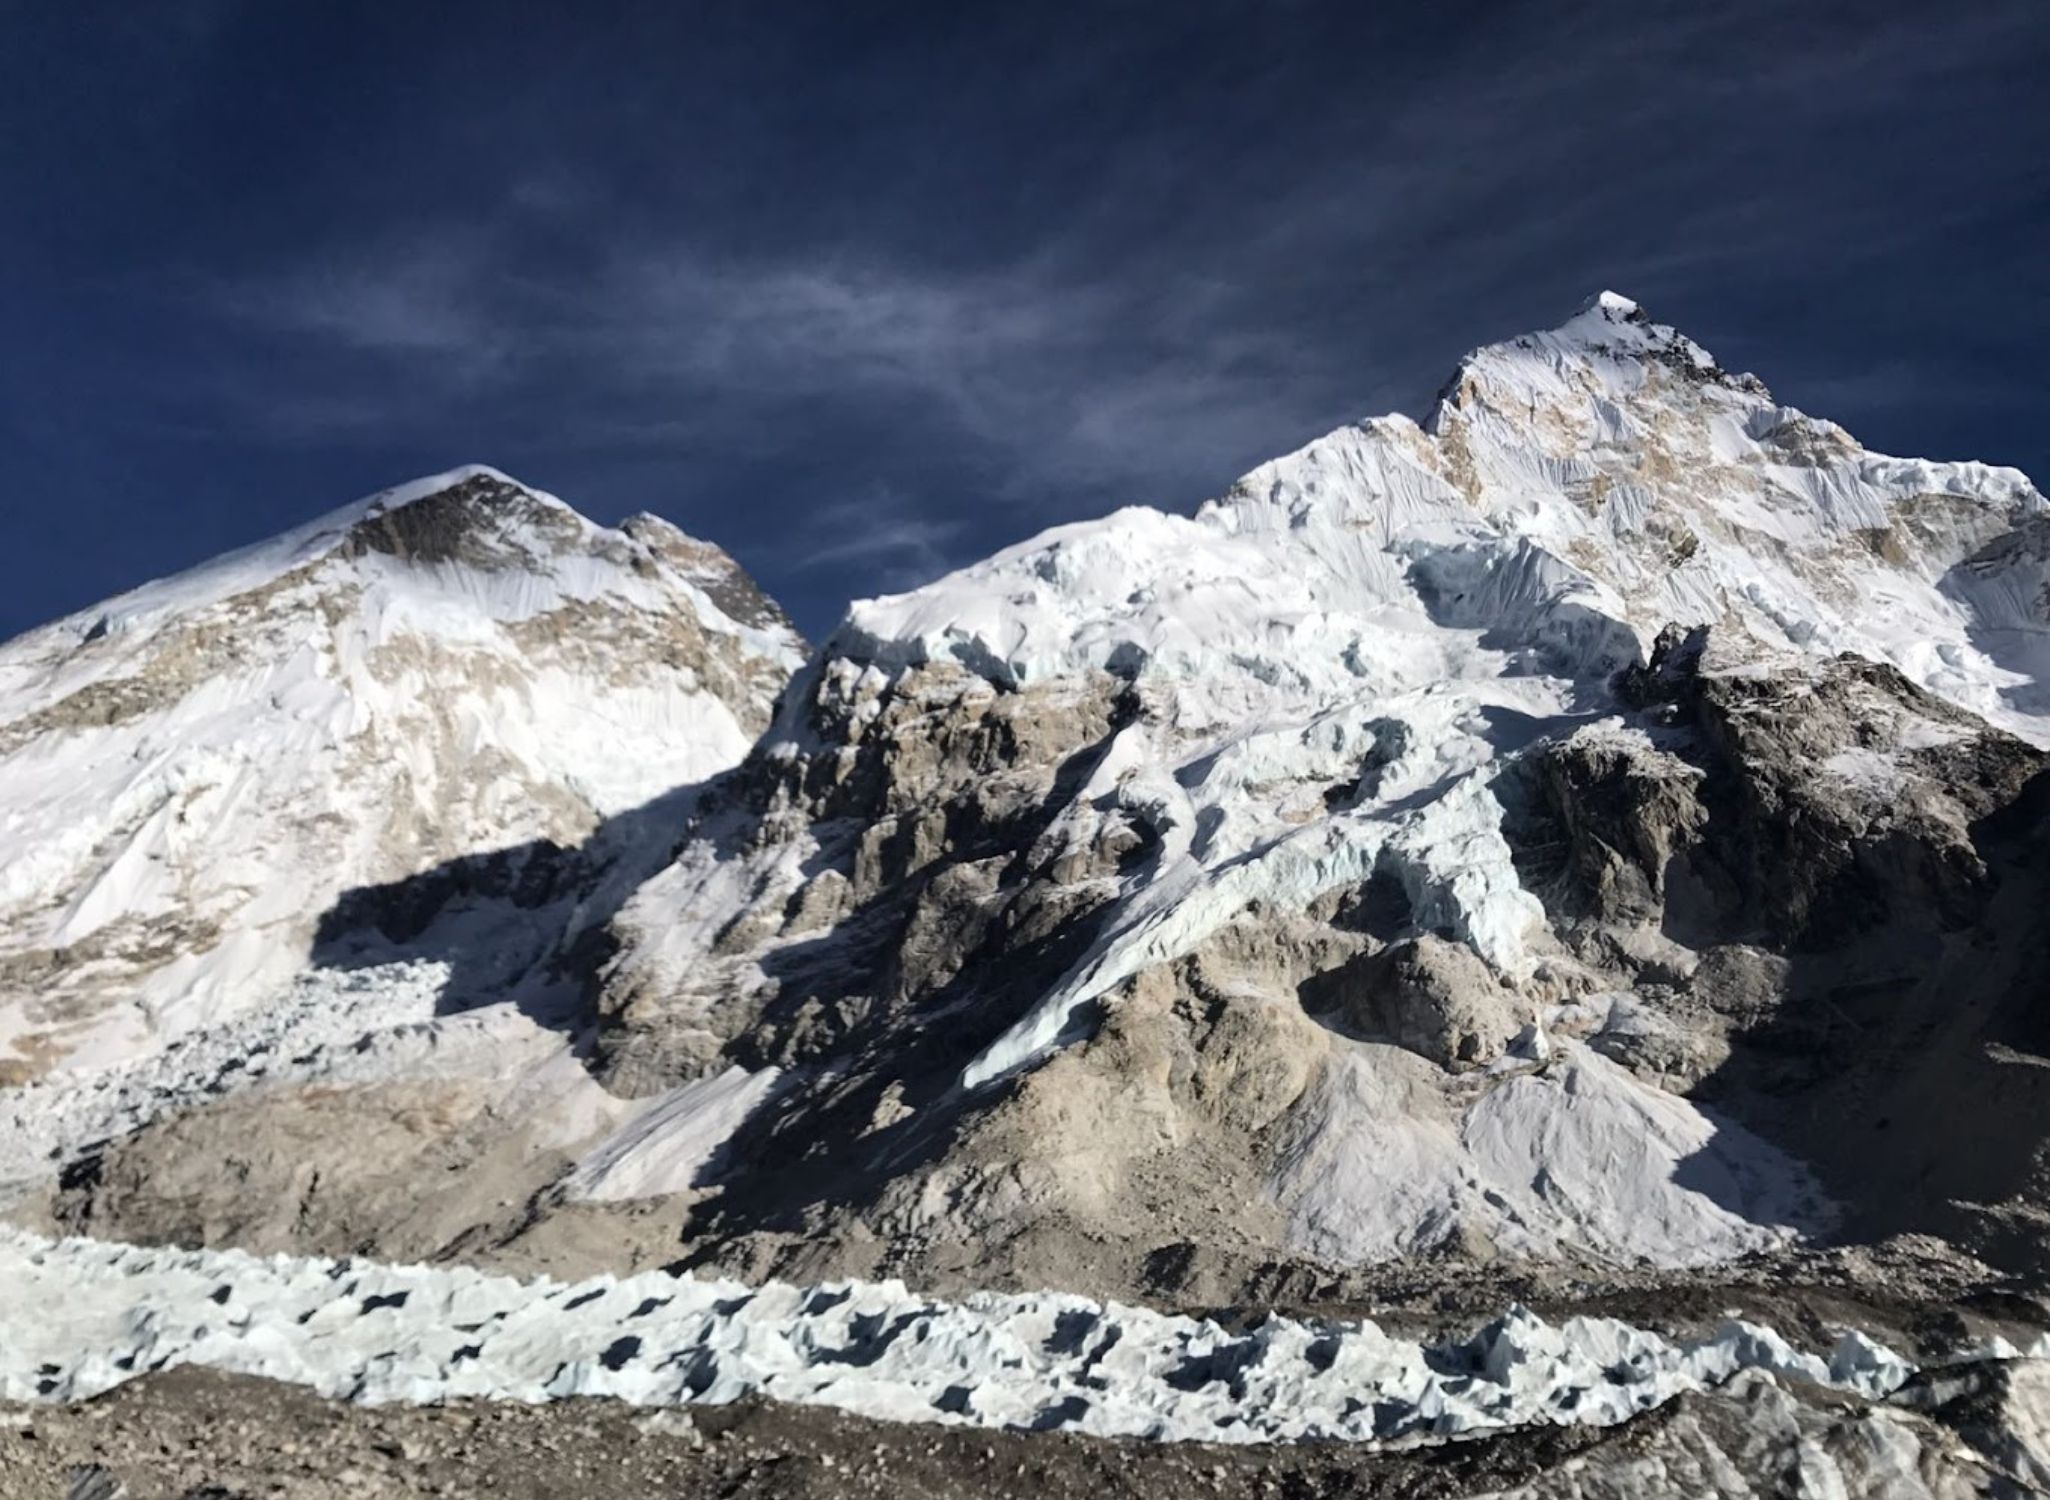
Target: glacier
x,y
106,1313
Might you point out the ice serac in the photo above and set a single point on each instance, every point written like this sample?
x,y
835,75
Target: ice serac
x,y
198,776
1377,860
1042,1362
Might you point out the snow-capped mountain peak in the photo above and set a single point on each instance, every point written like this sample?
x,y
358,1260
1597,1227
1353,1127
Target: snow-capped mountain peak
x,y
1576,489
1609,329
1613,322
195,770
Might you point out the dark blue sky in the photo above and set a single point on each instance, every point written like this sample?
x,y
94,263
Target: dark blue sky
x,y
865,291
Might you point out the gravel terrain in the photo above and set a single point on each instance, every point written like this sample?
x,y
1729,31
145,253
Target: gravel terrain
x,y
192,1433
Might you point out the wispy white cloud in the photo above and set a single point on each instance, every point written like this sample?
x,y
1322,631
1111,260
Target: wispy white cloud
x,y
881,530
1056,382
1178,320
425,297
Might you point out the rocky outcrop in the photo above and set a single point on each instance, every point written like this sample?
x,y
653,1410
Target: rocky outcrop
x,y
916,835
1435,998
1797,806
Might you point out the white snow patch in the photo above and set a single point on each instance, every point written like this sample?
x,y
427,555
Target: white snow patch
x,y
1614,1166
1394,1157
329,1026
1870,770
672,1138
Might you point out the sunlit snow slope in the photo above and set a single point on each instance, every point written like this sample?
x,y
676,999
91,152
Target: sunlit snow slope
x,y
192,773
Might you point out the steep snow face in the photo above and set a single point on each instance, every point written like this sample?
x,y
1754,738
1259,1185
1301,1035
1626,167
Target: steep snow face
x,y
192,773
1396,605
92,1315
1571,490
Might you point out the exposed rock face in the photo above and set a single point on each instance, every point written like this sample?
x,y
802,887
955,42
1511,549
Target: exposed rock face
x,y
1814,879
1798,806
1435,998
916,839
